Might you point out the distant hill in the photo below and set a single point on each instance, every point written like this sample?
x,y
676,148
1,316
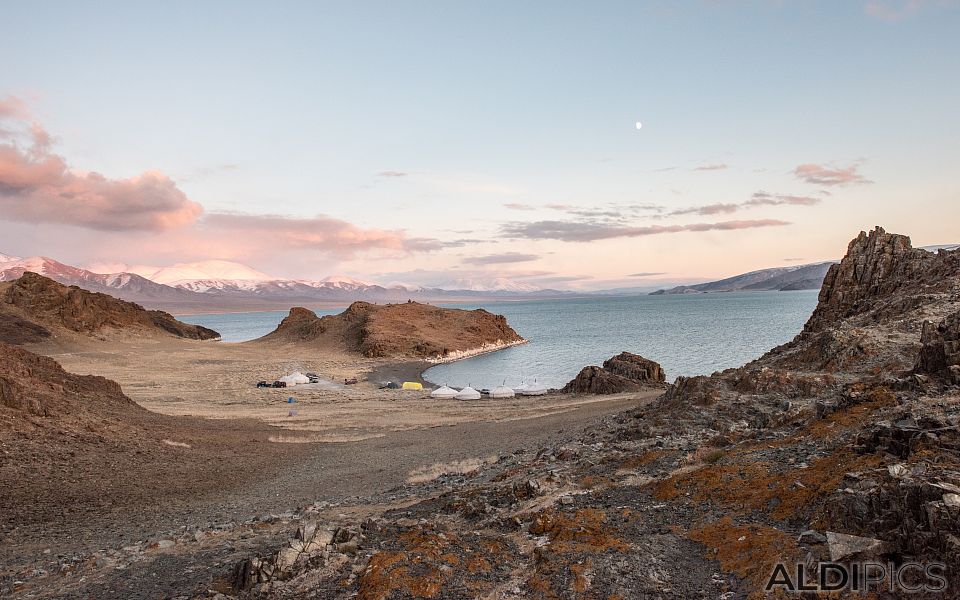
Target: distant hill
x,y
802,277
776,279
405,330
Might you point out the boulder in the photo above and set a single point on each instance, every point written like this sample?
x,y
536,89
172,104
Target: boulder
x,y
843,546
635,367
624,372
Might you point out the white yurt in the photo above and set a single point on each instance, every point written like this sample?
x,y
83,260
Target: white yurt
x,y
443,393
532,389
295,378
468,393
502,391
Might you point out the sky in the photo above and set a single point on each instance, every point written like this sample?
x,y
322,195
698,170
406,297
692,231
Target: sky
x,y
443,142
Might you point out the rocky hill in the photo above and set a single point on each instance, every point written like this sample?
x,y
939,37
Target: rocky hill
x,y
408,330
841,446
33,307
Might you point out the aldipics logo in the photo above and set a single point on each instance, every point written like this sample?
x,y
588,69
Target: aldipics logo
x,y
865,577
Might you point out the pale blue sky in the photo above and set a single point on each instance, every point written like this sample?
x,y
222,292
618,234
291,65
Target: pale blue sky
x,y
295,108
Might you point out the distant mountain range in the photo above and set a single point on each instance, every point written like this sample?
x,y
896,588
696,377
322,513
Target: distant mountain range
x,y
801,277
224,285
237,294
780,279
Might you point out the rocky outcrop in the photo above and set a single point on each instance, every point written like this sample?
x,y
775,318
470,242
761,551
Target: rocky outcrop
x,y
408,330
31,384
876,267
624,372
940,354
33,304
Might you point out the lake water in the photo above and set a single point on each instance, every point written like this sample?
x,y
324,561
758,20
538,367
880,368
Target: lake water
x,y
688,334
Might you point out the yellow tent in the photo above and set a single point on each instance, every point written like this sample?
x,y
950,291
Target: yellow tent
x,y
412,385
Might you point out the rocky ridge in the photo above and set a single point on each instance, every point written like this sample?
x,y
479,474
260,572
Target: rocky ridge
x,y
407,330
33,307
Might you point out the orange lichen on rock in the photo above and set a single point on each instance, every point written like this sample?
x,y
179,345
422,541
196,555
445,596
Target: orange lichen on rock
x,y
642,460
426,562
584,530
745,486
750,551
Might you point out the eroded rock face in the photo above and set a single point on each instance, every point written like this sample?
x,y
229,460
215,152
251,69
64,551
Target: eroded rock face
x,y
407,330
624,372
44,302
877,265
635,367
940,354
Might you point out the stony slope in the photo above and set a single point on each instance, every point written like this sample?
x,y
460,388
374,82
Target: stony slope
x,y
852,429
33,306
408,330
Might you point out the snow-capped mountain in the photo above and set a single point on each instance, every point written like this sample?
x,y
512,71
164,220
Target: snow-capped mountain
x,y
344,282
208,270
494,284
128,286
228,285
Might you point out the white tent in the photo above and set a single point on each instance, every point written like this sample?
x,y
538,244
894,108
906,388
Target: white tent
x,y
443,393
295,378
502,391
532,389
468,393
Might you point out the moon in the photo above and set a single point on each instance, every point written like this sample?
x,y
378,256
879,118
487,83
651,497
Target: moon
x,y
639,124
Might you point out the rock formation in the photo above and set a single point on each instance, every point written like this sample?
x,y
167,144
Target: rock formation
x,y
876,270
408,330
33,304
940,354
37,385
624,372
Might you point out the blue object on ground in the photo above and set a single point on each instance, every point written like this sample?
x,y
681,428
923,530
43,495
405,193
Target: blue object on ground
x,y
290,400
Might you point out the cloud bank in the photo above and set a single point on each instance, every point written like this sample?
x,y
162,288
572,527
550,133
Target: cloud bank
x,y
570,231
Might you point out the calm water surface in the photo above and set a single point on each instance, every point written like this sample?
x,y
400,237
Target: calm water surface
x,y
689,335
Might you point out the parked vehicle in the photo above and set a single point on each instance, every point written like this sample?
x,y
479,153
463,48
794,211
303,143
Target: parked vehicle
x,y
263,384
279,384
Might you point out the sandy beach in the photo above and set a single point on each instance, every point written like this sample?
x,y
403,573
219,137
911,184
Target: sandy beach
x,y
217,380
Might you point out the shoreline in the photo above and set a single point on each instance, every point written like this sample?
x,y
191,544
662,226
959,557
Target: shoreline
x,y
413,370
484,349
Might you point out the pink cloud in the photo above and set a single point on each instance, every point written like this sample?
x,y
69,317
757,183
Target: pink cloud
x,y
825,175
317,233
37,186
712,167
